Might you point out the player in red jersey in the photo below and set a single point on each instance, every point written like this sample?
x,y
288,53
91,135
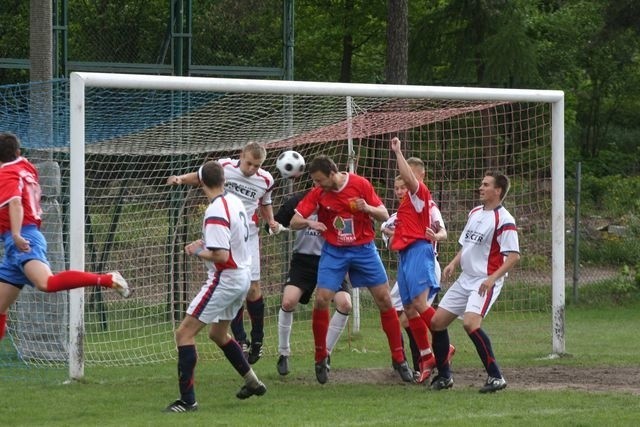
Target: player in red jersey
x,y
25,249
346,205
413,239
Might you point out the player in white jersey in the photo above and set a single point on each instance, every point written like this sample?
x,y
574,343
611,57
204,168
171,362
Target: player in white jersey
x,y
224,249
245,178
490,248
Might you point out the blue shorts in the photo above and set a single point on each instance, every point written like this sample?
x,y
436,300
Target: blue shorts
x,y
362,262
416,271
12,267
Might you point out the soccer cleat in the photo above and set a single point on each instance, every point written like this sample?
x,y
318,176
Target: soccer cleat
x,y
246,391
119,284
493,385
452,352
181,406
441,383
404,370
244,345
255,352
322,370
283,364
426,366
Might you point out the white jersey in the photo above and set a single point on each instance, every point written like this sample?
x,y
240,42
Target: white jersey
x,y
254,190
225,226
486,238
435,219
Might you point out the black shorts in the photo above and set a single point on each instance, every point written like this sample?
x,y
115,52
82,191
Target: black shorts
x,y
303,274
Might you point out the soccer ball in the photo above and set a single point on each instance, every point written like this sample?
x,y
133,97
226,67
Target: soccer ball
x,y
290,164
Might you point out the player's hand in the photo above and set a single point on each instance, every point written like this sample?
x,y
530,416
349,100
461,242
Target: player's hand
x,y
448,271
317,225
358,205
430,234
174,180
194,248
395,144
486,286
21,243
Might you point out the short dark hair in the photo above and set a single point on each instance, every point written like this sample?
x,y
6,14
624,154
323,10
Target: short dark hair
x,y
502,182
211,174
324,164
9,147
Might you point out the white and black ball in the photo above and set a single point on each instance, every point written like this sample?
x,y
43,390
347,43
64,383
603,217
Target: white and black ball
x,y
290,164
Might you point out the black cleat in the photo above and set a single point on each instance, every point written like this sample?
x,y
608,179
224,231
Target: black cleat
x,y
181,406
404,370
246,392
283,365
441,383
322,370
493,385
255,352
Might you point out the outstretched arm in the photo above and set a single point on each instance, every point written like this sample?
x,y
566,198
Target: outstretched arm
x,y
190,178
403,167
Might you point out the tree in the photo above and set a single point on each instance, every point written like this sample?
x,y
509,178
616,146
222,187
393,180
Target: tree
x,y
397,42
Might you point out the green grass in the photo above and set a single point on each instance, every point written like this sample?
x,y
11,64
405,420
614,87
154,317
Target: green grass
x,y
134,396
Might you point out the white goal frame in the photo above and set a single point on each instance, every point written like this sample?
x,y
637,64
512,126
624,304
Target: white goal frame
x,y
80,80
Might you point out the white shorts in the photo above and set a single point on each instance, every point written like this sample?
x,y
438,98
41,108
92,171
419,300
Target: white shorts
x,y
254,250
221,298
396,301
463,296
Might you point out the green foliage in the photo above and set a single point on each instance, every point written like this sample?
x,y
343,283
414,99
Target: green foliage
x,y
615,196
623,290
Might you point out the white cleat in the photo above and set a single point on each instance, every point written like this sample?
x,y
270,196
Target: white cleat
x,y
119,284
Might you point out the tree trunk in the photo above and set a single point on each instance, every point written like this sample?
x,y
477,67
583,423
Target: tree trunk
x,y
347,42
397,42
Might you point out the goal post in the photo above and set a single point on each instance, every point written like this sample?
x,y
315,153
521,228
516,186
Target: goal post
x,y
478,125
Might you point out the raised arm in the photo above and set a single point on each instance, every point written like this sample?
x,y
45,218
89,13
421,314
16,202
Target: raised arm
x,y
406,173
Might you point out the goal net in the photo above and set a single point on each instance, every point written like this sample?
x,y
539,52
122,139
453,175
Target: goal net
x,y
129,133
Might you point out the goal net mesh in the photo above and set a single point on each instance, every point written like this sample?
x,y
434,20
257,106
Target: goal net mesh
x,y
136,224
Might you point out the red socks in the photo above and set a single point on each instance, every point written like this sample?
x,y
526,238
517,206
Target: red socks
x,y
73,279
320,326
420,333
391,327
3,324
427,315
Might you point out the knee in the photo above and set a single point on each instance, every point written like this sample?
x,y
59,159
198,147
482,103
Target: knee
x,y
254,291
343,303
289,304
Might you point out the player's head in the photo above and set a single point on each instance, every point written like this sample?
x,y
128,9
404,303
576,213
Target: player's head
x,y
323,171
251,158
399,187
494,187
417,167
9,147
211,174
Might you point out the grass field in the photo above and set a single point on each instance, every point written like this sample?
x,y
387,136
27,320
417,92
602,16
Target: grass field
x,y
584,388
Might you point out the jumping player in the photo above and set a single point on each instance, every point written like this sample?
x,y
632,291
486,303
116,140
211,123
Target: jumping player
x,y
224,250
245,178
489,250
25,249
416,269
436,233
345,204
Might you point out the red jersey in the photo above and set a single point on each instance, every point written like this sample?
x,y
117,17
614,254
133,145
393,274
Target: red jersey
x,y
345,225
19,180
413,218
